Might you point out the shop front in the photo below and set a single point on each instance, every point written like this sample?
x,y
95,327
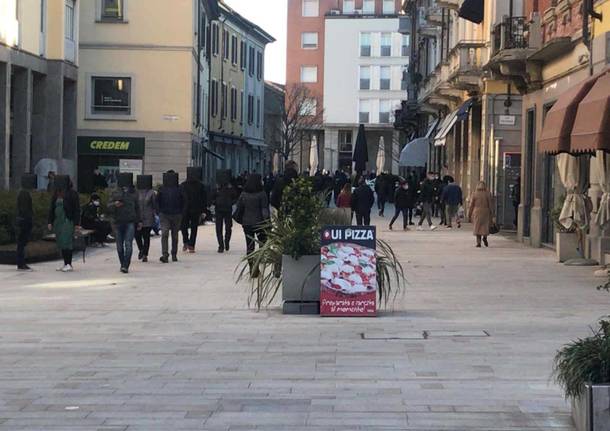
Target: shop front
x,y
108,155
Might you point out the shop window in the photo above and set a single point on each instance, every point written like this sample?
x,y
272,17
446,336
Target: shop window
x,y
111,95
113,10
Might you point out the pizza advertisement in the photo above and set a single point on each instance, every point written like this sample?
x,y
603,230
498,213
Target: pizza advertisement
x,y
348,268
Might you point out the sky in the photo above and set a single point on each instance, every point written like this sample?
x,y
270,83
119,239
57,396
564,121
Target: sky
x,y
270,15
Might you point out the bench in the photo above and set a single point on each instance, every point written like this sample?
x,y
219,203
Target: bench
x,y
82,238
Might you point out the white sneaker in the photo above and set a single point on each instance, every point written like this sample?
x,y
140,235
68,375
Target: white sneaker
x,y
420,228
67,268
60,268
433,227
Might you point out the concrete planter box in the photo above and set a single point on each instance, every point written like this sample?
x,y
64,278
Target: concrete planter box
x,y
591,412
301,298
567,246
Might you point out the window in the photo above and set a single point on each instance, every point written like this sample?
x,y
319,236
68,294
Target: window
x,y
234,49
233,103
384,111
345,141
309,73
241,107
225,44
309,40
112,10
368,7
215,34
404,51
348,6
386,44
259,65
111,95
310,7
385,77
308,107
365,77
258,112
203,25
250,109
365,44
364,114
251,61
224,101
69,30
242,56
214,98
389,7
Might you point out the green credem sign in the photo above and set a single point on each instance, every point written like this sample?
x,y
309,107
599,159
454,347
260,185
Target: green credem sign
x,y
100,146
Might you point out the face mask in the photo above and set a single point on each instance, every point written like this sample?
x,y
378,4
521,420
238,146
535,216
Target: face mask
x,y
405,187
96,203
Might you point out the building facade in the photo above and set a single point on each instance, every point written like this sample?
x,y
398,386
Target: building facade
x,y
38,76
351,57
142,92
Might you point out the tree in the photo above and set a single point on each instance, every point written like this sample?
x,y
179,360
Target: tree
x,y
300,115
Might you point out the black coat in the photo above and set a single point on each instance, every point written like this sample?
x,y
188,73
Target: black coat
x,y
195,197
224,198
363,199
404,199
278,189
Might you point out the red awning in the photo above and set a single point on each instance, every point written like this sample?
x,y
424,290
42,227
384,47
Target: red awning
x,y
559,121
591,130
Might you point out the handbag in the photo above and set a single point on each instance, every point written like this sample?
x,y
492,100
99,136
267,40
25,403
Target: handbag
x,y
493,228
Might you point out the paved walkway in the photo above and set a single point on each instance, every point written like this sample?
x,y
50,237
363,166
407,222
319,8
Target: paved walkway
x,y
174,347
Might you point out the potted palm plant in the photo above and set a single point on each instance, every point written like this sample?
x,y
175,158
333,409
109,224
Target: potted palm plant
x,y
289,261
582,368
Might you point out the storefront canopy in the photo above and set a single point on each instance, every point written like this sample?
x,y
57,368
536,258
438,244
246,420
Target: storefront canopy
x,y
444,129
559,122
472,10
465,109
415,153
591,130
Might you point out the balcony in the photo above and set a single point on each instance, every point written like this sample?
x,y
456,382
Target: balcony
x,y
433,16
466,63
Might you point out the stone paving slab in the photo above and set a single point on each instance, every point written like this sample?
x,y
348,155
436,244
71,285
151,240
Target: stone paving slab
x,y
174,347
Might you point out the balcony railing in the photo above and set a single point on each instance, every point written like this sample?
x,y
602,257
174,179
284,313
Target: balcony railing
x,y
467,57
511,33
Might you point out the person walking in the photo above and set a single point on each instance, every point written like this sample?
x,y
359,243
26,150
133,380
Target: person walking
x,y
381,188
344,201
427,197
451,200
402,203
481,213
147,202
195,205
171,204
254,209
64,219
124,210
223,199
291,172
25,219
363,200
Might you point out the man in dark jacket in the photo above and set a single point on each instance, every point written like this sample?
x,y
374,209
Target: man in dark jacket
x,y
195,205
25,217
171,203
125,212
291,171
223,200
363,200
427,196
452,198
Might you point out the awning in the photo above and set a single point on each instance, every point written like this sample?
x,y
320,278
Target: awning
x,y
445,128
559,121
465,109
472,10
591,131
415,153
212,153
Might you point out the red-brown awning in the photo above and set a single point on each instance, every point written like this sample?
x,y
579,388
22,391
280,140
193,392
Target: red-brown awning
x,y
591,131
559,121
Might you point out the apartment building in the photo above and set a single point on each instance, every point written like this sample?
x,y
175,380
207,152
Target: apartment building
x,y
237,90
38,75
350,55
143,87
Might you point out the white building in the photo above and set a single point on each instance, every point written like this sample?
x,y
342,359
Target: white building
x,y
364,61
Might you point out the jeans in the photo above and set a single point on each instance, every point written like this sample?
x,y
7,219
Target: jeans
x,y
363,219
170,223
426,213
143,240
224,220
405,217
190,221
451,211
24,232
124,234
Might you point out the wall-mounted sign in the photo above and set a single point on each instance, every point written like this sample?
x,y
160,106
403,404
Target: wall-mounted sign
x,y
133,166
507,120
348,285
100,146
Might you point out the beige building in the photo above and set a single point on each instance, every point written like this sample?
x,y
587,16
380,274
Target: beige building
x,y
38,74
143,89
